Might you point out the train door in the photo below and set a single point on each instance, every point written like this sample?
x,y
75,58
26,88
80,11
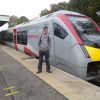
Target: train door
x,y
21,40
62,44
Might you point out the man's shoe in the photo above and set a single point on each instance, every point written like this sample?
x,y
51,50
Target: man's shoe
x,y
49,71
39,71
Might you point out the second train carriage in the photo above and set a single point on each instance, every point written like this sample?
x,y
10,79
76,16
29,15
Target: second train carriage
x,y
75,41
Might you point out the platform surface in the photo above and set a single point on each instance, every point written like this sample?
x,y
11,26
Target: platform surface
x,y
26,85
66,85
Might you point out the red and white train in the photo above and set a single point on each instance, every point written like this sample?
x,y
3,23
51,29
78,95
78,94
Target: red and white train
x,y
75,41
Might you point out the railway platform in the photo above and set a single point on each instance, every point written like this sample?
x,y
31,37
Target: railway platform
x,y
19,81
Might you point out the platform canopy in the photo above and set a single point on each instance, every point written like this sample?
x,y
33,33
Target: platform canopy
x,y
4,19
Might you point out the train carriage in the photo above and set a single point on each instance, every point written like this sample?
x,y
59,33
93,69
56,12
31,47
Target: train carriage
x,y
75,41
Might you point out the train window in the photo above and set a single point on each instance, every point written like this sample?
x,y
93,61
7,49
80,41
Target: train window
x,y
59,31
22,37
3,35
9,36
18,38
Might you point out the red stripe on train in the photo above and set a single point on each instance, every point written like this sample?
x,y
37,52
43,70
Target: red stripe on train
x,y
15,38
29,52
65,20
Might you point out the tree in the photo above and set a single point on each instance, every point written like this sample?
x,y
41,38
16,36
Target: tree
x,y
87,7
54,7
94,6
62,6
22,19
44,12
59,6
12,21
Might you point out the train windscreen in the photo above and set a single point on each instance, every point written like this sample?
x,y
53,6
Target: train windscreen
x,y
86,30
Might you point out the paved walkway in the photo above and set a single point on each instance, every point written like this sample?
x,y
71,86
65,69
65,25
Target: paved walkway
x,y
61,82
21,83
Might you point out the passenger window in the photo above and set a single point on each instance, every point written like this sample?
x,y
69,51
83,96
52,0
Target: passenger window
x,y
22,37
59,31
18,38
3,35
9,36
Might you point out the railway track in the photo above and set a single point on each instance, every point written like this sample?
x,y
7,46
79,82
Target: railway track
x,y
95,82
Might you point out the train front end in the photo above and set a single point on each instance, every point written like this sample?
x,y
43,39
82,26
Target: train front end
x,y
89,33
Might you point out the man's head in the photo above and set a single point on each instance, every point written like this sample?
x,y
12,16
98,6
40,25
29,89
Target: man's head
x,y
45,30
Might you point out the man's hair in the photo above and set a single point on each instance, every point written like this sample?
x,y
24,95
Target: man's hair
x,y
45,27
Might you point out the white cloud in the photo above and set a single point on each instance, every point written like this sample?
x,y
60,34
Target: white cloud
x,y
28,8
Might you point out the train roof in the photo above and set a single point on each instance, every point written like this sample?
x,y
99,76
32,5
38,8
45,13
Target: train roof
x,y
49,16
55,14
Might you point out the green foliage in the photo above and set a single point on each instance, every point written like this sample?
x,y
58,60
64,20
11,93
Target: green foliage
x,y
62,6
54,7
14,20
44,12
22,20
87,7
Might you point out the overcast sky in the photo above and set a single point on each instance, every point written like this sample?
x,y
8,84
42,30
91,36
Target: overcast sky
x,y
28,8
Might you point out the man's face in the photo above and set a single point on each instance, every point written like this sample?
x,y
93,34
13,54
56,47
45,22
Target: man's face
x,y
45,31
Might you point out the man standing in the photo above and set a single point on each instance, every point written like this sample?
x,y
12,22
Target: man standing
x,y
44,49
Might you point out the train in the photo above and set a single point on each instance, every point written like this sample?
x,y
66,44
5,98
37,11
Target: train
x,y
75,41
